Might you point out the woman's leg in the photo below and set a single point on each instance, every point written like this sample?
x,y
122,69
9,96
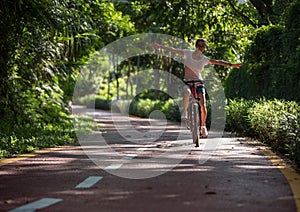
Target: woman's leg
x,y
185,103
204,132
186,95
203,109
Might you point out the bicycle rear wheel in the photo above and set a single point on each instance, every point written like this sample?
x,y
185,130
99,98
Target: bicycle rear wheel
x,y
195,124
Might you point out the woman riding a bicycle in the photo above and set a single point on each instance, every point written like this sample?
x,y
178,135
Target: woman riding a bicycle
x,y
194,63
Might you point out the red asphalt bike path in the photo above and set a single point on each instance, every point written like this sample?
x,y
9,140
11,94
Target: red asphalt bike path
x,y
238,177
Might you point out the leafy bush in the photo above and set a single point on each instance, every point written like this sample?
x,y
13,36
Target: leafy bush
x,y
171,110
28,139
87,100
274,122
272,61
237,111
143,107
102,104
120,106
94,101
25,139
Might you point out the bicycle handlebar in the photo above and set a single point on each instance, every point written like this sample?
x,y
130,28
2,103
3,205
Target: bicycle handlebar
x,y
196,80
193,81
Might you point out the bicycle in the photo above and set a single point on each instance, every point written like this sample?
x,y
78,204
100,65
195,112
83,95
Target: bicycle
x,y
194,111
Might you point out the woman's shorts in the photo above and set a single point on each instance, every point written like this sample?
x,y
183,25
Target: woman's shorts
x,y
200,89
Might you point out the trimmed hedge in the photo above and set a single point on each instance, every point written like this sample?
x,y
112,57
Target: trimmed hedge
x,y
237,111
274,122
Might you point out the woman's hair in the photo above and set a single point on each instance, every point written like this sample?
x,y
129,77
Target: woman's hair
x,y
200,40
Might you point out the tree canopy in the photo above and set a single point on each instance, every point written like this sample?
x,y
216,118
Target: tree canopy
x,y
44,42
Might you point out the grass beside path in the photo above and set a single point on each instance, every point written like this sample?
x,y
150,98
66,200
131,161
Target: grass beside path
x,y
26,139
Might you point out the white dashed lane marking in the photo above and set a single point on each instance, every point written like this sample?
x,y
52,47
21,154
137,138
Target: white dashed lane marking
x,y
142,149
89,182
129,157
116,166
39,204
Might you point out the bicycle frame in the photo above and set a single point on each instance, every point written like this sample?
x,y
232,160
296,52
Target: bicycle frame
x,y
194,111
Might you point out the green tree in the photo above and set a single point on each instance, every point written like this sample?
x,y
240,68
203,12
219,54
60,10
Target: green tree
x,y
191,19
271,60
43,43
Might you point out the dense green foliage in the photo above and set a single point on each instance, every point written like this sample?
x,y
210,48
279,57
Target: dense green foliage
x,y
272,61
26,139
217,21
275,122
42,45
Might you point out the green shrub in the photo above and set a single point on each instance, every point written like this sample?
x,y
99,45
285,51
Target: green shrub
x,y
25,139
29,139
143,107
272,61
120,106
86,100
94,101
237,111
171,110
102,104
275,122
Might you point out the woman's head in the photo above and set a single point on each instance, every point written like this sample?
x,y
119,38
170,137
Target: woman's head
x,y
201,44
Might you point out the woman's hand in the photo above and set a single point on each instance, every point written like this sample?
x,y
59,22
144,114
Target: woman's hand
x,y
237,65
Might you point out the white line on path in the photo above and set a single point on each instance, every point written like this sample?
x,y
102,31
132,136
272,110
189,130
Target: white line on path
x,y
142,149
146,147
129,157
89,182
39,204
115,166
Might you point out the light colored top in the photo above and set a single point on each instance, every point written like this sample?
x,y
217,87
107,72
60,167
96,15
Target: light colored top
x,y
194,67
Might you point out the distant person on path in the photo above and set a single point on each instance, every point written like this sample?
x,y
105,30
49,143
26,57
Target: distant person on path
x,y
194,62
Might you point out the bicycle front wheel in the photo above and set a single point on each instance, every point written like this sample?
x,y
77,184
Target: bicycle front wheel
x,y
195,124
